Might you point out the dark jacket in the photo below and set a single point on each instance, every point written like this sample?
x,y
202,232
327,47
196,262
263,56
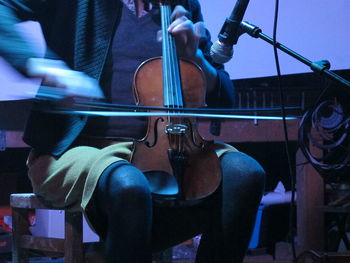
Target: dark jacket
x,y
78,32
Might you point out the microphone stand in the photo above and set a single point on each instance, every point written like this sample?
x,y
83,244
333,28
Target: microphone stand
x,y
322,67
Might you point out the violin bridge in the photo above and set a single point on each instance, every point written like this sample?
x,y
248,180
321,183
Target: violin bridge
x,y
176,129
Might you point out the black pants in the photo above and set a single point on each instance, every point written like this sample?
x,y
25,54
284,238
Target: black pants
x,y
132,226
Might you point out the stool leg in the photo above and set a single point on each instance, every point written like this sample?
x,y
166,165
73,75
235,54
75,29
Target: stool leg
x,y
20,226
73,245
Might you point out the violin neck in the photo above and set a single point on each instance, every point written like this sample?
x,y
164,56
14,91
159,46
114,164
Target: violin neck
x,y
171,71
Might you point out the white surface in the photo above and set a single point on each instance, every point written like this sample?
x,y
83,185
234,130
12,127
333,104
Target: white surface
x,y
50,223
317,29
278,196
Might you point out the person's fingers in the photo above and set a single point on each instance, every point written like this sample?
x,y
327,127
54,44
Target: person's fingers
x,y
177,22
199,29
57,75
159,36
180,11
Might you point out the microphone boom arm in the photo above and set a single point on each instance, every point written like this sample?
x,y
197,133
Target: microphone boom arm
x,y
322,67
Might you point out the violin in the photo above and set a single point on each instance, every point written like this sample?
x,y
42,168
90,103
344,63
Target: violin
x,y
178,162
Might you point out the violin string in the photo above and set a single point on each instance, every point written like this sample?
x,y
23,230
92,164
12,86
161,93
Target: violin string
x,y
167,65
168,55
175,70
172,65
166,71
176,82
171,72
172,82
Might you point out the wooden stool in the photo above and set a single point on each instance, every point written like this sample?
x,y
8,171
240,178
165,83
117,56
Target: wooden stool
x,y
71,247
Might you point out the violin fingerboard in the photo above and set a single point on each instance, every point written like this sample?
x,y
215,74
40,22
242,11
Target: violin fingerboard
x,y
170,2
171,71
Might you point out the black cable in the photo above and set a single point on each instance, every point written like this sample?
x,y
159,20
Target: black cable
x,y
329,133
283,112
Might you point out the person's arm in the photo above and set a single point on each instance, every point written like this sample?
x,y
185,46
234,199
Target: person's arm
x,y
13,47
16,50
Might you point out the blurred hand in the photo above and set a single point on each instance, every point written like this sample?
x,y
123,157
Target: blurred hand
x,y
61,81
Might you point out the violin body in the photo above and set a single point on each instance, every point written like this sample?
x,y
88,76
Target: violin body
x,y
178,163
172,148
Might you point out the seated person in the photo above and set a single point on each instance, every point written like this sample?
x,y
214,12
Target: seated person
x,y
84,164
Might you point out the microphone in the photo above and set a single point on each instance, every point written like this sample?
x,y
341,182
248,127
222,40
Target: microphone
x,y
222,50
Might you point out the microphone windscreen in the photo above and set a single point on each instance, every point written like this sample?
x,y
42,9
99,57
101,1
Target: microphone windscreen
x,y
220,52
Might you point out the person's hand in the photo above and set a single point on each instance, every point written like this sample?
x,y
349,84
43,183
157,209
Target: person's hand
x,y
62,82
186,34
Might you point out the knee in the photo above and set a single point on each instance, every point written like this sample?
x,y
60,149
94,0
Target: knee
x,y
126,184
243,170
